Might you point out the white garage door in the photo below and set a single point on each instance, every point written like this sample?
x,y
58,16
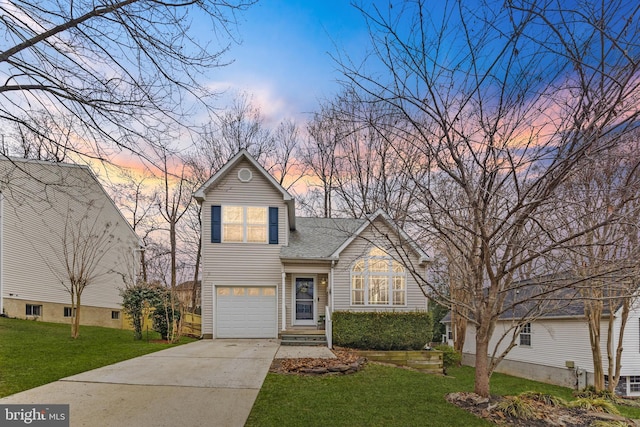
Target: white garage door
x,y
246,312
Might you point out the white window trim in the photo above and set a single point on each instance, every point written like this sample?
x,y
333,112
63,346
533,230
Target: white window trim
x,y
245,224
390,274
529,334
629,391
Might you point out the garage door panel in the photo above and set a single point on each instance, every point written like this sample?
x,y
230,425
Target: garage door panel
x,y
246,312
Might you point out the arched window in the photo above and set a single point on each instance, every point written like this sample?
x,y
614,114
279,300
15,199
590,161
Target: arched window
x,y
376,279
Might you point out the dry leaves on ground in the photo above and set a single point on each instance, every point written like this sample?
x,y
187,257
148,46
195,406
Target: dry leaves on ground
x,y
347,361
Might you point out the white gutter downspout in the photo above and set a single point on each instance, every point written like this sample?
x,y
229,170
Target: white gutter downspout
x,y
284,300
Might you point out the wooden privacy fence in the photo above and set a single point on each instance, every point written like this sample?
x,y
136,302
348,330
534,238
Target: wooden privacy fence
x,y
191,324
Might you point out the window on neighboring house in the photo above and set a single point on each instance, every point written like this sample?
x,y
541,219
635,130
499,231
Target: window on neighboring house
x,y
33,310
115,315
525,334
376,279
244,224
68,312
634,384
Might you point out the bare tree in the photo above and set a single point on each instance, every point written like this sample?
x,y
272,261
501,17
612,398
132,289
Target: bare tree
x,y
318,155
86,242
117,67
504,101
173,204
137,198
52,142
604,259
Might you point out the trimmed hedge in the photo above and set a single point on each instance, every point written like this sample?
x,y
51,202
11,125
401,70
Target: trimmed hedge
x,y
382,330
450,357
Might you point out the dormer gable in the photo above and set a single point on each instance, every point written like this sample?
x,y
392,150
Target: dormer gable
x,y
244,166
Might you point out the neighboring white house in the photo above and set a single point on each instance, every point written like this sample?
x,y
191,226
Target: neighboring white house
x,y
266,270
43,207
555,348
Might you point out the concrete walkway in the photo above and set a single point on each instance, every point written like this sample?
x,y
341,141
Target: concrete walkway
x,y
205,383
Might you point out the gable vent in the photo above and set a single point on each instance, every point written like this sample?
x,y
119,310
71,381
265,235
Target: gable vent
x,y
245,175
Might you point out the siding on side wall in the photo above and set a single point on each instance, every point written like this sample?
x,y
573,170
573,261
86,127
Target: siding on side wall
x,y
225,263
34,216
631,353
360,247
553,342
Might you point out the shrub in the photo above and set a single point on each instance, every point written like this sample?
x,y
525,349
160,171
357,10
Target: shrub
x,y
450,357
165,316
382,330
136,301
547,399
516,406
598,405
591,393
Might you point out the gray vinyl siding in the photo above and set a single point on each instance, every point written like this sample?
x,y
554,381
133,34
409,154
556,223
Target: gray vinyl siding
x,y
39,198
240,263
359,247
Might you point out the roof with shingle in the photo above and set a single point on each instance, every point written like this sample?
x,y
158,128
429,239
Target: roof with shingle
x,y
319,238
551,296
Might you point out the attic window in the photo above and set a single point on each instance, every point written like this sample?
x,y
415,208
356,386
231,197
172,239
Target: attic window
x,y
245,175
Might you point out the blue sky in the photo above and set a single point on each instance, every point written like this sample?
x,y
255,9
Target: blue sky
x,y
284,59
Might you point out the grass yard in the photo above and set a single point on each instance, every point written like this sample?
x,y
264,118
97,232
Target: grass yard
x,y
35,353
381,396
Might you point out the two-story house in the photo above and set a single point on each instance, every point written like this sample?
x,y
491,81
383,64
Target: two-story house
x,y
266,271
55,218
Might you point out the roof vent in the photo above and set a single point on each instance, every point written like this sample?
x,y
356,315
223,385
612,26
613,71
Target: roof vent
x,y
245,175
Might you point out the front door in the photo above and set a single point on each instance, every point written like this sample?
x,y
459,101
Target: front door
x,y
304,299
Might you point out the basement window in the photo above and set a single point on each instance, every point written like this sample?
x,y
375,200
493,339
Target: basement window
x,y
33,310
115,315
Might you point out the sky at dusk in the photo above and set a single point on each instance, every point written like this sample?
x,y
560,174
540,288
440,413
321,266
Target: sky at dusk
x,y
284,59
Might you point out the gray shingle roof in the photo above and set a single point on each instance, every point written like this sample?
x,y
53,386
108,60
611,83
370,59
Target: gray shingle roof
x,y
531,298
318,238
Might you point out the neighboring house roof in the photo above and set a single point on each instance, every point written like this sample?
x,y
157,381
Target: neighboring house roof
x,y
530,296
200,193
188,285
319,238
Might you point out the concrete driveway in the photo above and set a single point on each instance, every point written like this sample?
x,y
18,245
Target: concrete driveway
x,y
207,383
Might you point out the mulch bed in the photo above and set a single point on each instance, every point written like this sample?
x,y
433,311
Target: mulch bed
x,y
545,415
347,362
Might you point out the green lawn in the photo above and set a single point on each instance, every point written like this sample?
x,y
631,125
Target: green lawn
x,y
35,353
381,396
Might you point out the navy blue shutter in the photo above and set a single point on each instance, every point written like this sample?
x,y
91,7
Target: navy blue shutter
x,y
216,224
273,226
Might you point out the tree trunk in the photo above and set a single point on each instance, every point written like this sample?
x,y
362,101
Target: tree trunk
x,y
75,321
481,385
594,339
143,262
196,277
615,378
459,324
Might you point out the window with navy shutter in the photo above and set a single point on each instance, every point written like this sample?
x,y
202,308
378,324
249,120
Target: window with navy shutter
x,y
273,226
216,224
